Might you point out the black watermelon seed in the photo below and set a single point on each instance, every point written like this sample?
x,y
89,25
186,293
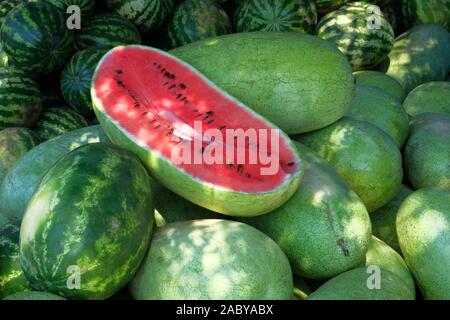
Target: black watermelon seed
x,y
210,121
118,71
182,86
290,164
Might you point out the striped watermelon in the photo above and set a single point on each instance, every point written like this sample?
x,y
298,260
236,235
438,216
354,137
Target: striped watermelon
x,y
195,20
86,6
20,99
56,121
35,38
14,143
325,6
12,279
426,11
93,211
364,44
76,80
148,15
3,57
5,7
106,31
276,15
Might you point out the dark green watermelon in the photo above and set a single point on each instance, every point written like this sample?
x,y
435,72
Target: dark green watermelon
x,y
426,11
276,15
76,80
20,99
106,31
5,7
325,6
33,295
93,214
52,99
86,6
35,38
195,20
56,121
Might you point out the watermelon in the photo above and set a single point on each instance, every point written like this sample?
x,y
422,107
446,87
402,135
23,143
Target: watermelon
x,y
380,80
184,132
212,259
3,57
56,121
86,6
431,63
14,143
195,20
20,99
148,15
325,6
297,81
426,11
76,80
349,28
106,31
100,224
313,228
12,279
5,7
363,155
432,97
33,295
379,108
21,181
276,15
35,38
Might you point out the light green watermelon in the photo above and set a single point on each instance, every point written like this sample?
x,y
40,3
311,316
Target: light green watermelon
x,y
33,295
380,80
432,97
426,11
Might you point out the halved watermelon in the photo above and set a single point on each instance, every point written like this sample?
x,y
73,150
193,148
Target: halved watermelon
x,y
182,126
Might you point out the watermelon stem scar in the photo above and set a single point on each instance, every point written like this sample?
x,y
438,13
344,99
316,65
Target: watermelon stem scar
x,y
192,136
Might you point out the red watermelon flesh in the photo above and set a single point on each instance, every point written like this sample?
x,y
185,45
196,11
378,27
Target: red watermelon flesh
x,y
156,98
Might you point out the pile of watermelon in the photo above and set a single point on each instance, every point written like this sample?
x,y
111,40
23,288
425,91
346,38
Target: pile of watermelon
x,y
224,149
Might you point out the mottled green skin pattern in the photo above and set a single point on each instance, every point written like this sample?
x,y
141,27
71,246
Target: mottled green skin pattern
x,y
422,54
352,285
364,156
383,256
76,80
56,121
5,7
324,229
148,15
382,81
33,295
348,29
381,109
21,181
432,97
170,207
20,99
212,259
426,11
14,143
35,38
325,6
3,57
423,231
317,94
427,152
93,210
86,6
195,20
276,15
106,31
383,219
12,279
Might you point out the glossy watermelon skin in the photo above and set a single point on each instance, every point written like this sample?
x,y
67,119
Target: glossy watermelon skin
x,y
147,15
86,6
102,223
56,121
365,46
20,99
12,279
195,20
106,31
76,80
35,38
426,11
276,15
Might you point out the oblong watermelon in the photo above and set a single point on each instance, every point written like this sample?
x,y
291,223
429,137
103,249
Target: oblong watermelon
x,y
180,123
93,214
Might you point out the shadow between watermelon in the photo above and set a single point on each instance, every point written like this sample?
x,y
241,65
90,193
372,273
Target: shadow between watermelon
x,y
148,101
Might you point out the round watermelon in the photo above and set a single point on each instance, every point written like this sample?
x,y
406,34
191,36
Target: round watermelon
x,y
35,37
5,7
276,15
76,80
431,96
426,11
86,6
20,99
195,20
98,230
106,31
325,6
